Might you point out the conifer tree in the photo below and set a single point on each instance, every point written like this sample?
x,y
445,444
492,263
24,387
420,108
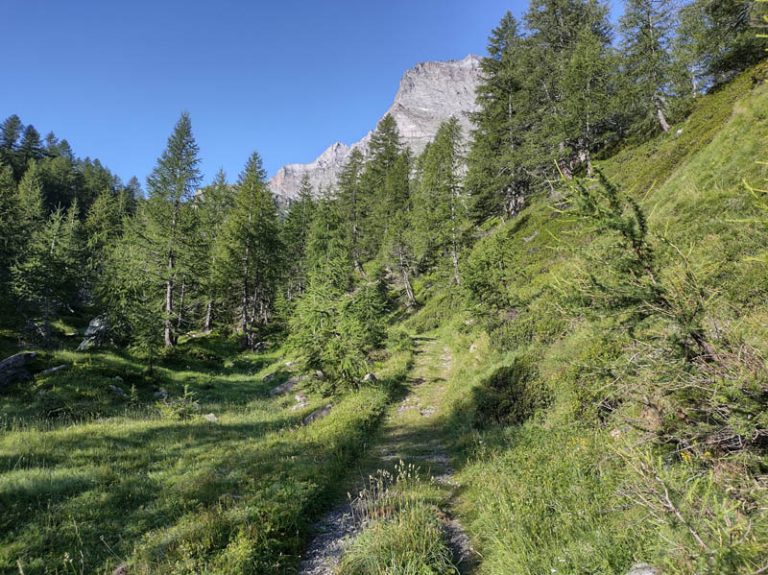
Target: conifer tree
x,y
31,197
351,202
169,223
439,208
722,37
10,132
48,276
31,146
9,229
248,255
647,32
215,203
496,179
294,234
382,186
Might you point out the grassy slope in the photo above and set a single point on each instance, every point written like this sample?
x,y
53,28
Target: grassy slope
x,y
572,486
122,483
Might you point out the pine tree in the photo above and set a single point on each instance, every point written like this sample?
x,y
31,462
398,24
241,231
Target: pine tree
x,y
496,180
351,203
169,221
382,186
248,256
647,30
215,203
48,276
294,234
440,217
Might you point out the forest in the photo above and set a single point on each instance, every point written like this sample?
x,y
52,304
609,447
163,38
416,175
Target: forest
x,y
575,289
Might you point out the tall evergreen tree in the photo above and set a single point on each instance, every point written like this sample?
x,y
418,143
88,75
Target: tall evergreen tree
x,y
439,207
49,274
215,203
294,234
351,203
496,178
248,256
647,32
168,219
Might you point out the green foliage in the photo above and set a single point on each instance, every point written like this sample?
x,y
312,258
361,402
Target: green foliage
x,y
334,331
183,407
48,276
247,256
510,395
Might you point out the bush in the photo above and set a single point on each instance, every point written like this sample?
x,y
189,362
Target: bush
x,y
510,395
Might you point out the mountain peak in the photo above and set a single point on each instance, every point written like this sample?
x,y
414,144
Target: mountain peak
x,y
429,94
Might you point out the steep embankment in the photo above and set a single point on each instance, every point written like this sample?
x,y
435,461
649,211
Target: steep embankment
x,y
592,445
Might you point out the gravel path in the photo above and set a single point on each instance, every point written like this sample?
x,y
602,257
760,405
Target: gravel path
x,y
411,433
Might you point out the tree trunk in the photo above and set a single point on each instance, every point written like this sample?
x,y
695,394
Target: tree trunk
x,y
168,331
208,324
662,119
179,317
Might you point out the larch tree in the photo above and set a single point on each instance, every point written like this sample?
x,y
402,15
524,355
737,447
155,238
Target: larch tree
x,y
214,204
294,234
48,275
351,203
169,221
496,179
440,216
647,33
248,253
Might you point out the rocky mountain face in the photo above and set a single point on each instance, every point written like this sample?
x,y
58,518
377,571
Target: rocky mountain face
x,y
429,94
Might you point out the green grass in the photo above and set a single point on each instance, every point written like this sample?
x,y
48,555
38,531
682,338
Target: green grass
x,y
612,461
115,483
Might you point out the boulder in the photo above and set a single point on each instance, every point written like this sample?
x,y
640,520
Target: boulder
x,y
285,387
118,391
14,369
317,414
370,378
96,334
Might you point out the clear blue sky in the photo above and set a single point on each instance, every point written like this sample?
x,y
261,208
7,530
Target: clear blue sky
x,y
286,78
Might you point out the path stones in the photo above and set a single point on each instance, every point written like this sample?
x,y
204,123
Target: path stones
x,y
643,569
286,386
317,415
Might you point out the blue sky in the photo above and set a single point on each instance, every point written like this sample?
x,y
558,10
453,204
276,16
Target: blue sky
x,y
286,78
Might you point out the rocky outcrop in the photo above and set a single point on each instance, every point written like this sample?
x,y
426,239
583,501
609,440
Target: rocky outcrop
x,y
96,334
16,368
429,94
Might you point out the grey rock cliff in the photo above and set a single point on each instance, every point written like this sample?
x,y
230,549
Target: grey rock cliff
x,y
429,94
